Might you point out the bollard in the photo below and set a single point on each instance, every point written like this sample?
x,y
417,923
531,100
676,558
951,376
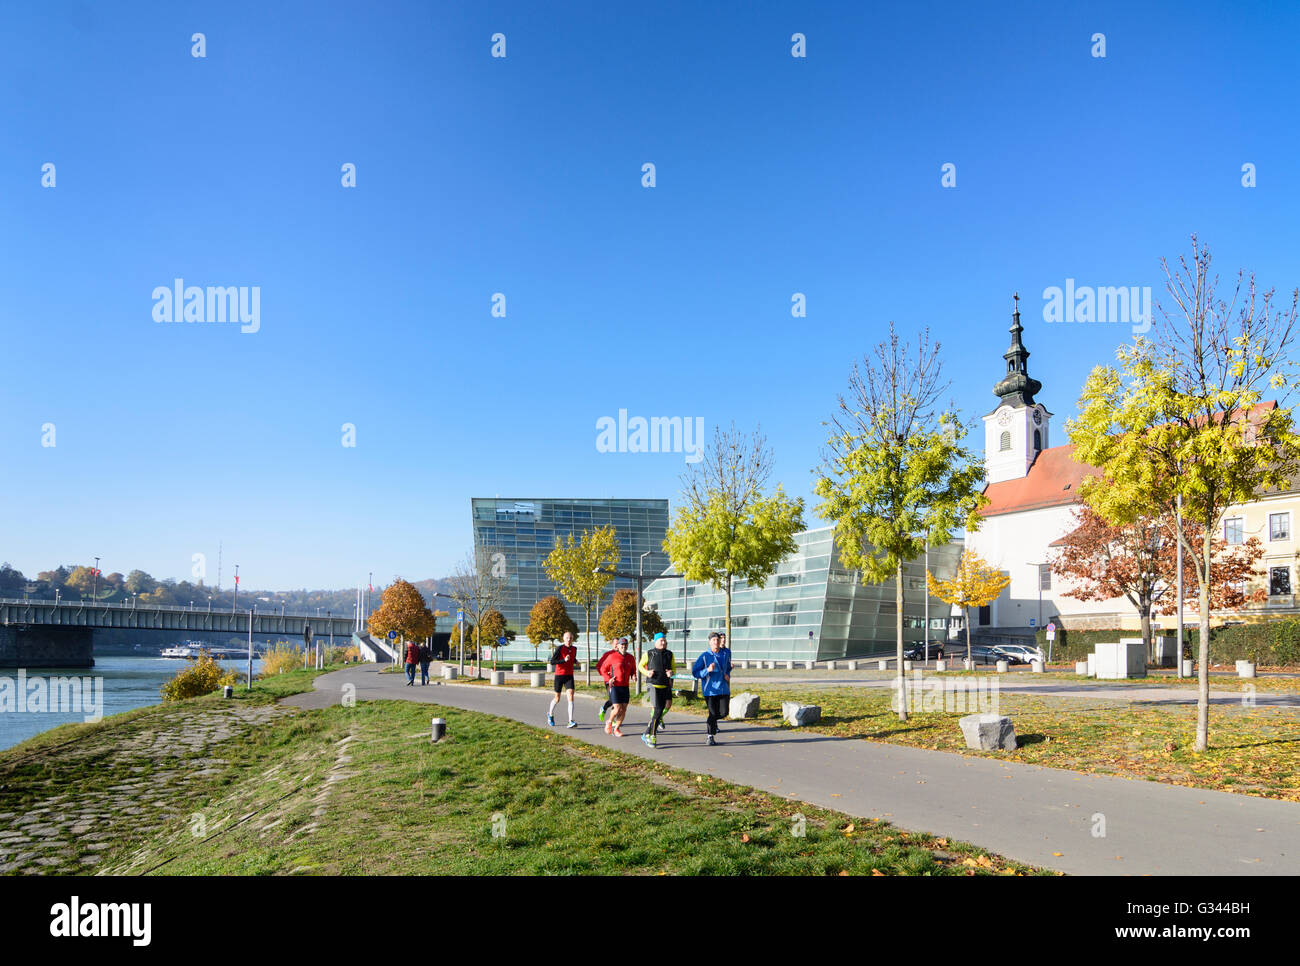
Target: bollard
x,y
882,665
1081,668
550,669
498,677
519,669
853,665
809,665
968,664
437,729
789,665
941,665
907,665
1036,667
1245,669
1188,669
1002,667
229,692
448,672
537,679
830,665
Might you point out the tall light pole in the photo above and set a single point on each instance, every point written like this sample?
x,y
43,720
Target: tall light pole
x,y
639,577
1178,522
94,581
235,602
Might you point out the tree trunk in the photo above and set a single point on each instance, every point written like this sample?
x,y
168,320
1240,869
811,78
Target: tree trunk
x,y
1144,612
968,633
588,645
728,596
898,623
1203,677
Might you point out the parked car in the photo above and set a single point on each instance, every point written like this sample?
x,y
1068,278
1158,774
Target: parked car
x,y
915,651
987,654
1023,651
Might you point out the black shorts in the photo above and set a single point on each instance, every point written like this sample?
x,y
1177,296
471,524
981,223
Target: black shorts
x,y
620,695
563,681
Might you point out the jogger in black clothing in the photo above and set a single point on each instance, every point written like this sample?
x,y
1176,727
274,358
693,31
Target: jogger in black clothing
x,y
657,665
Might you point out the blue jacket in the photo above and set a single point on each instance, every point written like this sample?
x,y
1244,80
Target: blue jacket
x,y
714,683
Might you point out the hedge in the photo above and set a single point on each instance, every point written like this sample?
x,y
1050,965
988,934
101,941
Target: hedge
x,y
1269,643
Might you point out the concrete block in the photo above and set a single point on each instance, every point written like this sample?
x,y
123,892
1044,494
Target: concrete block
x,y
941,665
743,705
1120,660
797,715
537,679
882,665
853,665
1036,667
907,665
830,665
988,732
1092,664
1081,668
809,665
1002,667
449,672
968,663
518,669
789,665
497,677
1189,668
1245,669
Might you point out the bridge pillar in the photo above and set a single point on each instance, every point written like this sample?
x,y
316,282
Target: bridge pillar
x,y
46,645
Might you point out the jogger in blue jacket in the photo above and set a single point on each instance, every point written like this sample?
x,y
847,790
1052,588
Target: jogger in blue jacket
x,y
713,668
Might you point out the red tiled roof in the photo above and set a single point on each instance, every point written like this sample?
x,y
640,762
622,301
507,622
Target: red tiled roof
x,y
1052,480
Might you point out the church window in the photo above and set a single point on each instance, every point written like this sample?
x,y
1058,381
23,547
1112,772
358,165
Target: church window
x,y
1004,443
1038,440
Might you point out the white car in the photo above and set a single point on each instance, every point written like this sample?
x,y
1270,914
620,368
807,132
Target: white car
x,y
1024,651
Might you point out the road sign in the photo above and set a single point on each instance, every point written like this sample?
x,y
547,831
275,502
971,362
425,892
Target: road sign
x,y
502,640
810,635
1032,621
460,615
392,635
1051,631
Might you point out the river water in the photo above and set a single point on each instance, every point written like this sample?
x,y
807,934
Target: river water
x,y
127,682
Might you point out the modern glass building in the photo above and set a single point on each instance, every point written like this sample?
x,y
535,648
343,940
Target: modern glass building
x,y
525,530
811,609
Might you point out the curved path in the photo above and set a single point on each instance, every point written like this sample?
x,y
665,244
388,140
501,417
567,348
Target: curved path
x,y
1046,817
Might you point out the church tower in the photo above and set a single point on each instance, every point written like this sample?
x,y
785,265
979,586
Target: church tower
x,y
1017,430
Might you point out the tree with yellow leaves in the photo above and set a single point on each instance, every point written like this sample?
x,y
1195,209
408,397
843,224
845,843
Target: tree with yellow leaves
x,y
581,571
975,584
403,610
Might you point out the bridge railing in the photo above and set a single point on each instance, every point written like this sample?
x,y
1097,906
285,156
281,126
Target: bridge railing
x,y
173,608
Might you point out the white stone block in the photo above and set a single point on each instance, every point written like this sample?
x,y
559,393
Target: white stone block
x,y
882,665
1002,667
988,732
1036,667
797,715
1081,667
497,677
1119,660
449,672
537,679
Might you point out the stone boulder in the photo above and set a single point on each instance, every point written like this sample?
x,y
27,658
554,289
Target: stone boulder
x,y
743,705
988,732
797,715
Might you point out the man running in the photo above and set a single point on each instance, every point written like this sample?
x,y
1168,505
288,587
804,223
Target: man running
x,y
563,658
617,669
657,666
713,667
609,701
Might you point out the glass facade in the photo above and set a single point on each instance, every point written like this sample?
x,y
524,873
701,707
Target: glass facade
x,y
525,530
811,609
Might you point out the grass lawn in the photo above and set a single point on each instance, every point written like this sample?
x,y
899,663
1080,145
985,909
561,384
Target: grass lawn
x,y
211,786
362,791
1252,750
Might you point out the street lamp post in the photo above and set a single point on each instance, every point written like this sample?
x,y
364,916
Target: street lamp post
x,y
94,581
639,577
234,604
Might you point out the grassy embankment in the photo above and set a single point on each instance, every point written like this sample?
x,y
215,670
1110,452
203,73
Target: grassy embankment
x,y
209,786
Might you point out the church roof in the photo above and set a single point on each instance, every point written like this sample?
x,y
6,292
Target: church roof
x,y
1052,480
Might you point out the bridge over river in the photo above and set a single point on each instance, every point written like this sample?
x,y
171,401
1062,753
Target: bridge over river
x,y
60,633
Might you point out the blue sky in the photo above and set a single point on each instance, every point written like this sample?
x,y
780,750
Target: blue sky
x,y
522,175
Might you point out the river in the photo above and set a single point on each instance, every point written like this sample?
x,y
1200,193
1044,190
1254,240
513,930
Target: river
x,y
127,682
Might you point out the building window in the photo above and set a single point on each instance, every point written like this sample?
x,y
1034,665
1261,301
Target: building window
x,y
739,621
1279,526
784,613
785,580
986,616
1233,531
1279,580
1004,441
1038,440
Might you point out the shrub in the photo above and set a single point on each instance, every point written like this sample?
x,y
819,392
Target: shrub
x,y
279,658
202,675
1268,643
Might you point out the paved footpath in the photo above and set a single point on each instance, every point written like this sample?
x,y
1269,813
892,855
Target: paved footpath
x,y
1041,816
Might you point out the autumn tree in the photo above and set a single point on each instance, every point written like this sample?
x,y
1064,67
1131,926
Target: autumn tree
x,y
975,584
1139,561
619,618
548,622
82,579
403,610
581,569
896,473
726,527
491,629
139,582
1181,426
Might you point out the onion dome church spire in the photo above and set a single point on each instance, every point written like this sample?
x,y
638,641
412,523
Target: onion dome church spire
x,y
1017,389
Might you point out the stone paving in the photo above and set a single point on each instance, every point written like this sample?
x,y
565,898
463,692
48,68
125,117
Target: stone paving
x,y
69,829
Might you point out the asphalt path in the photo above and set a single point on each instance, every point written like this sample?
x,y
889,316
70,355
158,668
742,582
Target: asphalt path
x,y
1077,823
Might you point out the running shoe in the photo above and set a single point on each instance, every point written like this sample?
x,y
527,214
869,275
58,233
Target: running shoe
x,y
571,724
607,731
602,714
648,740
709,740
616,733
550,720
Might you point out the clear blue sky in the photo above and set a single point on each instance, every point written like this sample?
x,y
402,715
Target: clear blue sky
x,y
523,176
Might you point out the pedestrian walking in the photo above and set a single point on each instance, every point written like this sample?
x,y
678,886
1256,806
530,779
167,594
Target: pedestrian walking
x,y
412,658
617,669
563,657
426,655
713,668
657,666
